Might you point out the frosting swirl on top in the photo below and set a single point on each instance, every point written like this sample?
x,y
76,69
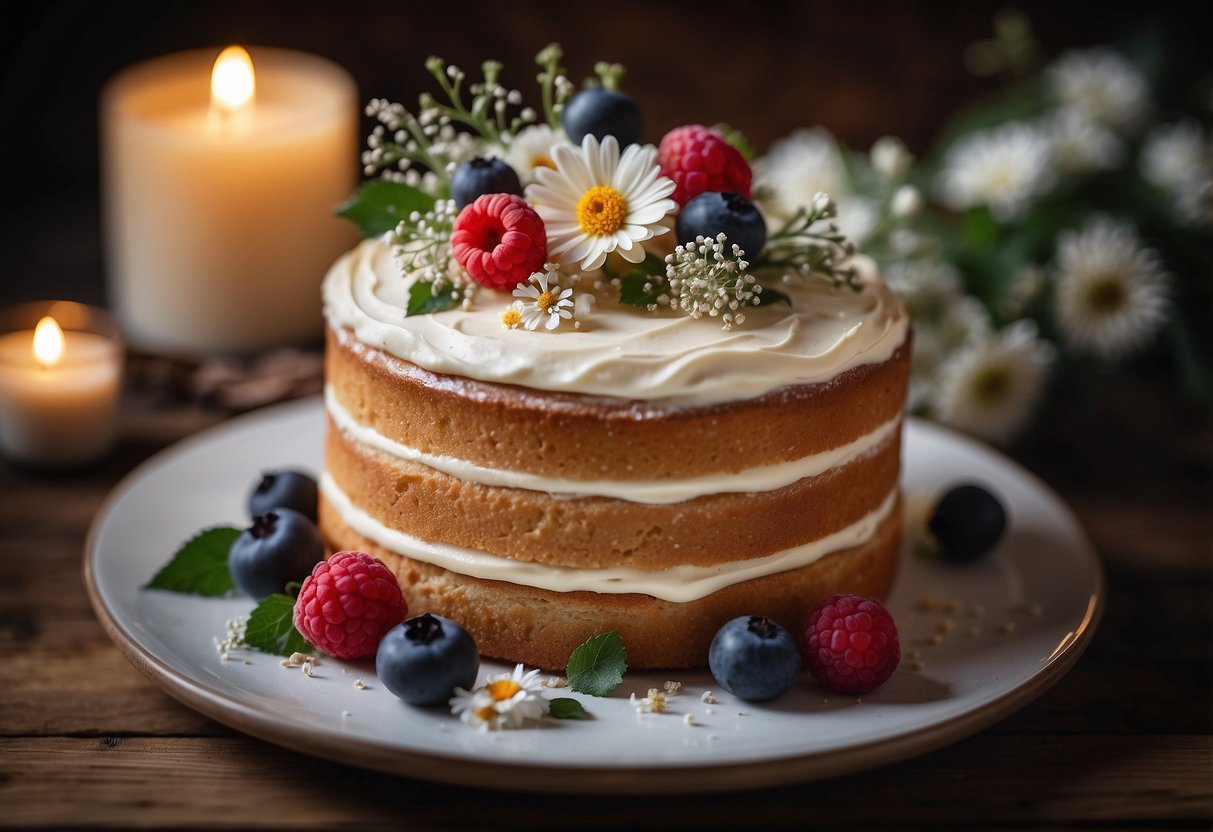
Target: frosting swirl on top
x,y
622,352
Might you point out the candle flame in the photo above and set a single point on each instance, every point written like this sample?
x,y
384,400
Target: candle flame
x,y
48,342
232,79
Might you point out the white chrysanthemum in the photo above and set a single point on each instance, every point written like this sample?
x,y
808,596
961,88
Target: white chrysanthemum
x,y
1004,168
505,701
927,286
1101,85
799,167
1080,144
1111,292
539,300
595,201
532,148
1175,154
990,387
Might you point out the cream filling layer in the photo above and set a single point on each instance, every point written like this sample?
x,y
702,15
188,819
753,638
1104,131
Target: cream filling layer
x,y
679,584
653,492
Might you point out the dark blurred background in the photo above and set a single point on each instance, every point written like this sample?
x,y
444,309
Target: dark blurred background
x,y
862,69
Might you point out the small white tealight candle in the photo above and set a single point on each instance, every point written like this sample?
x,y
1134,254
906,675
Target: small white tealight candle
x,y
59,383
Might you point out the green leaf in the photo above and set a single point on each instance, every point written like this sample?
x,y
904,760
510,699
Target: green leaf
x,y
738,139
423,301
597,667
271,627
199,567
379,206
567,708
633,292
770,296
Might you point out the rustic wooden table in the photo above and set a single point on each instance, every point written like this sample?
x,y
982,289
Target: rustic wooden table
x,y
1124,741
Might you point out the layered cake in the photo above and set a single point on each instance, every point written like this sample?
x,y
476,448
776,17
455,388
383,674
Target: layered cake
x,y
645,473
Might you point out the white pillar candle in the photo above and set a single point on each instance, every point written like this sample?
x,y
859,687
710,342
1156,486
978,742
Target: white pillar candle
x,y
219,204
59,384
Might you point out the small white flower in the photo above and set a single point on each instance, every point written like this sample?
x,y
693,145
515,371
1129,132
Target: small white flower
x,y
1111,292
540,299
990,387
1080,144
1101,85
906,201
890,158
1004,168
596,201
799,167
505,701
532,148
1175,154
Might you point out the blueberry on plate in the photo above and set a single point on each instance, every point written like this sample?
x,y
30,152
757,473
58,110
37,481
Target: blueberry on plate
x,y
424,659
479,176
284,489
967,523
280,547
712,212
754,658
601,112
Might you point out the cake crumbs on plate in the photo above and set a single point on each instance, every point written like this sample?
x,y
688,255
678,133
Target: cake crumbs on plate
x,y
654,703
672,688
346,714
360,685
707,698
554,682
688,720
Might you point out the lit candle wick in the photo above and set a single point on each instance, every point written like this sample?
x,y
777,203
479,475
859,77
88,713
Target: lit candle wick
x,y
232,80
48,342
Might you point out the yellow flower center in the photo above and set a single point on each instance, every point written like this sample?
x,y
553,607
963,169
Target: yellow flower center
x,y
1107,295
992,385
511,317
485,713
546,300
602,210
541,161
502,689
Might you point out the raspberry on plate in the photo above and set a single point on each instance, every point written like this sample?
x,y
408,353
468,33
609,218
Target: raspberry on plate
x,y
700,159
851,644
347,604
499,240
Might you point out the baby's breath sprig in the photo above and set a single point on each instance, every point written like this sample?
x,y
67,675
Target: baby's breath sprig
x,y
418,150
421,245
801,247
710,277
554,83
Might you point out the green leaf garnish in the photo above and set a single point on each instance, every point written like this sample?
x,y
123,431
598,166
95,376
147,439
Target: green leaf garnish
x,y
567,708
597,667
271,627
379,206
199,567
643,283
423,301
739,141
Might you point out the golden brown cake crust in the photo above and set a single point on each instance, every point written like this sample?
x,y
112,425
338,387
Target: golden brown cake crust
x,y
541,628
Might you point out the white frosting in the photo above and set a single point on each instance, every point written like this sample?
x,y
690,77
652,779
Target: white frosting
x,y
679,584
624,353
751,480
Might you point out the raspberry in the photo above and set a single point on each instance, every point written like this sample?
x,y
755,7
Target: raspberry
x,y
499,240
851,644
699,159
347,604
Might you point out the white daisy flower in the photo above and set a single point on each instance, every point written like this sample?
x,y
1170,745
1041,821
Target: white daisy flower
x,y
1080,144
1004,168
511,318
532,148
540,299
927,286
1175,154
1111,292
505,701
990,387
595,201
796,169
1101,85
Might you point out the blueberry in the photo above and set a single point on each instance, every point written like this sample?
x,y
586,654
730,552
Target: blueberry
x,y
424,659
479,176
284,489
601,112
967,522
713,212
281,546
754,658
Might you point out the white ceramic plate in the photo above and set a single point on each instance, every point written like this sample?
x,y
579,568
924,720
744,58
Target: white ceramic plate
x,y
1018,620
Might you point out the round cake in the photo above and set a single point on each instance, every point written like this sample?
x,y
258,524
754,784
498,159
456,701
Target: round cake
x,y
643,472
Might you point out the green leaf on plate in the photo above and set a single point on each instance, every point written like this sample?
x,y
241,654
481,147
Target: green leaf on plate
x,y
271,627
598,665
379,206
199,567
567,708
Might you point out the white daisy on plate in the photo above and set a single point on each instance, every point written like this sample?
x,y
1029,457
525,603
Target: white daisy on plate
x,y
542,298
1005,168
1111,292
532,149
1101,85
1080,144
990,387
505,701
596,201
